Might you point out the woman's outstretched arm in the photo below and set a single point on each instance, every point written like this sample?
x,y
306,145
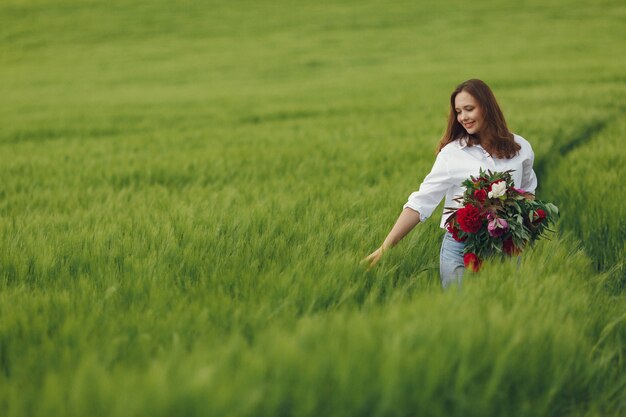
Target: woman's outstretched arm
x,y
407,220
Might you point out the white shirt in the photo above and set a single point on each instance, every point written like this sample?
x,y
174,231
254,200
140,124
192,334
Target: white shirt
x,y
456,162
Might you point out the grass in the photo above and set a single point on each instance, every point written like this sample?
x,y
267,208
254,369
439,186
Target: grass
x,y
187,188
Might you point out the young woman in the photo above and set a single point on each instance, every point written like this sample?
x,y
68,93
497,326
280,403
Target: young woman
x,y
476,137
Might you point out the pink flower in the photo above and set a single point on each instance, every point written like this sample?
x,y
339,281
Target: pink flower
x,y
497,227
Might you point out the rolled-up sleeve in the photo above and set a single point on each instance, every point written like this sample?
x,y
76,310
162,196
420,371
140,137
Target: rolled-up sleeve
x,y
432,190
529,179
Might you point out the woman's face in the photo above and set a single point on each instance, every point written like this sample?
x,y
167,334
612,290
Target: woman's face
x,y
469,113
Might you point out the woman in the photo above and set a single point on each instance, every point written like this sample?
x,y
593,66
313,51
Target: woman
x,y
476,137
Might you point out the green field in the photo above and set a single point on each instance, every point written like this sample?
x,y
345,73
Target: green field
x,y
187,188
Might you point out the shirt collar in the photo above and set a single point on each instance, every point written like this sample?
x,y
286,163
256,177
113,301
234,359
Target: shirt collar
x,y
462,143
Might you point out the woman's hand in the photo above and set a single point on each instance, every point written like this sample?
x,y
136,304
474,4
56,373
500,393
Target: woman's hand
x,y
406,221
373,258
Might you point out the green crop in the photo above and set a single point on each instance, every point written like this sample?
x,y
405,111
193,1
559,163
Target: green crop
x,y
187,188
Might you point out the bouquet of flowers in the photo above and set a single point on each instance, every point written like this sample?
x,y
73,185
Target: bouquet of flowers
x,y
497,218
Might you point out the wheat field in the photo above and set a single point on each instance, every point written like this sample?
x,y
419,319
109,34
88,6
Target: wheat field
x,y
187,188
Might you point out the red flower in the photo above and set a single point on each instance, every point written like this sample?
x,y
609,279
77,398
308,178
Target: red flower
x,y
472,262
478,180
469,219
480,195
538,216
509,247
455,232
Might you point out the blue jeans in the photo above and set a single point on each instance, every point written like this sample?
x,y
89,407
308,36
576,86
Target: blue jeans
x,y
451,264
451,261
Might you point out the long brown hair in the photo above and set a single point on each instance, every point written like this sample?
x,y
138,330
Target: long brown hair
x,y
495,137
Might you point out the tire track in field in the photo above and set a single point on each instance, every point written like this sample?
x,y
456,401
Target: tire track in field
x,y
549,164
561,148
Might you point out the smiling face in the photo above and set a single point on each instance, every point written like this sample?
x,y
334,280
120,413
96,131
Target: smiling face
x,y
469,113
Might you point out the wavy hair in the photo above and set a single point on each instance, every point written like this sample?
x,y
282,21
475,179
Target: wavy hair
x,y
495,137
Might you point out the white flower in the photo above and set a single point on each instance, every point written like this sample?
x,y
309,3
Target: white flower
x,y
498,189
